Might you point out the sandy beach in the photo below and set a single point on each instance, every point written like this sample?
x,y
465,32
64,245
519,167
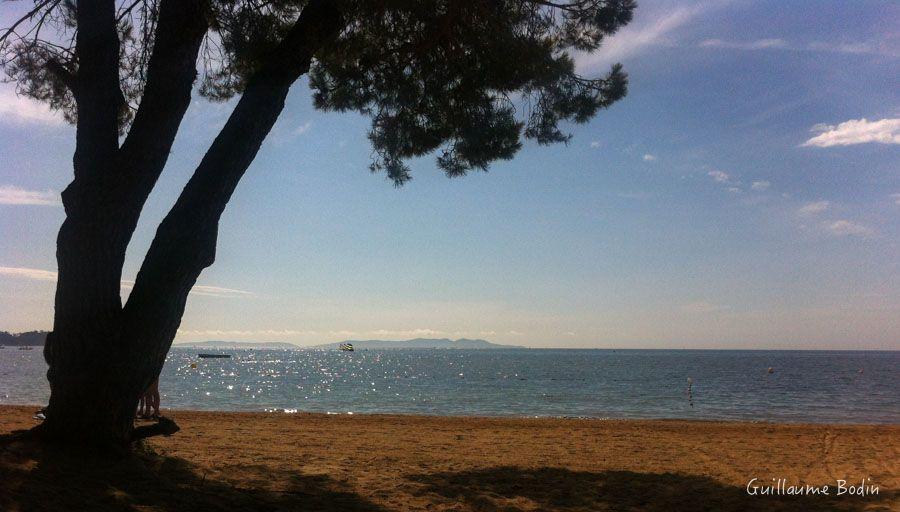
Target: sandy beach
x,y
259,461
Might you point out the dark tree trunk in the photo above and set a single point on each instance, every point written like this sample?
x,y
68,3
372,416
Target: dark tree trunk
x,y
101,356
94,377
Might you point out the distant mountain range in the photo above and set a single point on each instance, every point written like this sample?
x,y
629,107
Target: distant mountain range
x,y
34,338
419,343
37,338
272,345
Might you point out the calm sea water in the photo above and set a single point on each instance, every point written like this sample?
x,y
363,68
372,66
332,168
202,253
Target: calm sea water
x,y
832,387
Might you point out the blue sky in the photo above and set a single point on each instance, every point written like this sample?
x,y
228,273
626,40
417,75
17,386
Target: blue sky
x,y
745,194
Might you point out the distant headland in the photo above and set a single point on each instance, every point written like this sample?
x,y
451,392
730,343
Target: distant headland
x,y
30,338
462,343
442,343
239,345
36,338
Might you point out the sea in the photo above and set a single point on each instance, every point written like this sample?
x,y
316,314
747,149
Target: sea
x,y
772,386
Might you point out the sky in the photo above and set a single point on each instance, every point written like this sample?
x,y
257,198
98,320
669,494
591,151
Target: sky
x,y
745,194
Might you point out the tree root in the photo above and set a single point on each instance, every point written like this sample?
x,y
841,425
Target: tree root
x,y
163,427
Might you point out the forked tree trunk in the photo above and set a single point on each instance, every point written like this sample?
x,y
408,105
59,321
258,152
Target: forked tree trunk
x,y
102,355
95,374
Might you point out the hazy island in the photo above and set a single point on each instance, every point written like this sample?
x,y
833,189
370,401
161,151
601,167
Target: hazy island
x,y
418,343
238,345
30,338
462,343
37,338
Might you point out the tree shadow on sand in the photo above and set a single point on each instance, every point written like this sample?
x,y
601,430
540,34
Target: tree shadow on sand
x,y
36,477
511,489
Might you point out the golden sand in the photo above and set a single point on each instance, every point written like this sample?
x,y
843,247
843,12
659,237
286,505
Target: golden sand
x,y
259,461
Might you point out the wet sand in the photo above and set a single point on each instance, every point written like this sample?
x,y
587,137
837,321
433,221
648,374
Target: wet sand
x,y
258,461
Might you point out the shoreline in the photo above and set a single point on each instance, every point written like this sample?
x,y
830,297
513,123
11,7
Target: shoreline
x,y
399,415
313,461
187,346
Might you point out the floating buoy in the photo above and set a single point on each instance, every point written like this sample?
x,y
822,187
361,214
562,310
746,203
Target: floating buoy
x,y
771,370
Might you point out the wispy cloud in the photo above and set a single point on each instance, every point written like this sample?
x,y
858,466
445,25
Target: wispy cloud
x,y
854,48
36,274
303,128
759,44
218,291
719,176
19,109
857,48
761,185
896,198
813,208
849,228
856,131
12,195
649,158
645,32
28,273
596,143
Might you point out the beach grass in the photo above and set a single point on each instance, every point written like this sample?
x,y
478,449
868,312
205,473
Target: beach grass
x,y
314,462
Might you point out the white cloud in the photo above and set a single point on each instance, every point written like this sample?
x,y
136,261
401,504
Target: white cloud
x,y
848,228
218,291
719,176
814,208
649,158
595,143
303,128
649,29
856,131
20,109
49,275
12,195
759,44
856,48
853,48
28,273
760,185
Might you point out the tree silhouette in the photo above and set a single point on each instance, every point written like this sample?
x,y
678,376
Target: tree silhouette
x,y
464,79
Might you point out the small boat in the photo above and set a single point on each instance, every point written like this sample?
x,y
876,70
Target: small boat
x,y
26,347
346,347
213,356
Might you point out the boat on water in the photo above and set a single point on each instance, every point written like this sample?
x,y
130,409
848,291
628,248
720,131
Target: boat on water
x,y
26,347
213,356
346,347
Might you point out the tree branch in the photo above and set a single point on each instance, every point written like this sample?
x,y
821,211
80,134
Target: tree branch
x,y
170,77
97,48
64,75
7,32
186,239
